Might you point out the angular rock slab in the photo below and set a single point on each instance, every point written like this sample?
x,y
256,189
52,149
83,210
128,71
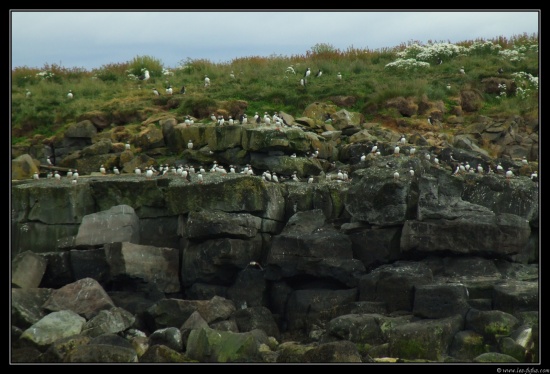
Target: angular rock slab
x,y
152,264
118,224
54,326
27,270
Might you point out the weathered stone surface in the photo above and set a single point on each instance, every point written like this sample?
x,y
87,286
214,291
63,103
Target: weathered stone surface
x,y
85,297
26,305
357,328
110,321
162,354
340,351
23,167
467,345
258,317
83,129
169,337
440,301
101,353
27,270
491,323
516,296
159,266
118,224
59,349
89,263
207,224
54,326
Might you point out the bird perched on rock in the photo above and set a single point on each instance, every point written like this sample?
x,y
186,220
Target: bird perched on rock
x,y
190,144
244,119
116,171
148,173
310,179
127,146
57,176
396,151
199,177
102,170
411,171
500,169
75,174
479,169
70,174
70,95
363,157
395,175
509,174
534,176
412,151
35,175
524,160
374,147
213,117
274,178
137,171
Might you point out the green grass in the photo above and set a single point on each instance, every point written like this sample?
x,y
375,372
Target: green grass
x,y
263,84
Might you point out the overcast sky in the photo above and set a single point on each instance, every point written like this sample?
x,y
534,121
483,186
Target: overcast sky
x,y
91,39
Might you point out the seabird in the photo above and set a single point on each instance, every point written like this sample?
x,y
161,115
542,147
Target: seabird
x,y
524,160
303,82
374,147
411,171
230,120
70,173
535,176
169,90
395,175
340,175
462,70
49,175
403,140
274,178
267,175
267,119
363,157
73,181
462,168
182,91
231,169
36,176
290,69
145,76
467,166
293,155
396,151
412,151
500,70
319,73
156,92
500,169
75,174
57,176
127,146
430,120
436,161
213,117
206,81
310,179
48,161
137,171
232,75
28,93
307,73
254,264
221,120
339,76
190,144
479,169
427,157
244,119
102,170
116,171
199,177
439,61
509,174
70,94
149,173
448,86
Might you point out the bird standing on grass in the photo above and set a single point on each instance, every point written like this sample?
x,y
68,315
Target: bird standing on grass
x,y
206,81
182,91
307,73
145,76
156,92
169,90
70,95
462,71
319,73
339,76
430,121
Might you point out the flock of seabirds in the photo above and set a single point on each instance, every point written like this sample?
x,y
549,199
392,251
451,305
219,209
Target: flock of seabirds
x,y
190,173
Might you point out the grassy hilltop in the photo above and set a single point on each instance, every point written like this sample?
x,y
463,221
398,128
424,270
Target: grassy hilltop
x,y
372,77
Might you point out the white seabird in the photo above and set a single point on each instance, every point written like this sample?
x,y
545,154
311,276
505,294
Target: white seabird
x,y
70,95
190,144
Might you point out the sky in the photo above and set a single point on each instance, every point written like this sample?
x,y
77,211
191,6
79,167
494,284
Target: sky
x,y
92,39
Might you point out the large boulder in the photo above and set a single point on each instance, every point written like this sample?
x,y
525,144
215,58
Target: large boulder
x,y
118,224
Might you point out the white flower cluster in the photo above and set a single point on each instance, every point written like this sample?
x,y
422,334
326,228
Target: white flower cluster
x,y
45,74
526,84
407,64
502,88
483,48
131,76
511,55
167,72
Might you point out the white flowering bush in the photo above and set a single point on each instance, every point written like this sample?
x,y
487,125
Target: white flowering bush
x,y
483,48
526,84
167,72
45,74
409,64
502,89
